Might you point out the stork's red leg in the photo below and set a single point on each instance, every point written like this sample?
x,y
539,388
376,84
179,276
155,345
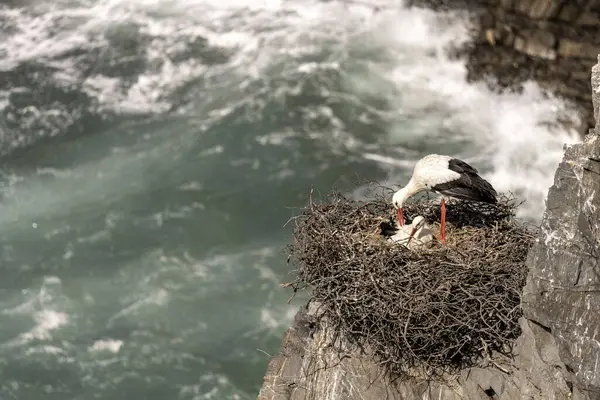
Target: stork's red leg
x,y
443,223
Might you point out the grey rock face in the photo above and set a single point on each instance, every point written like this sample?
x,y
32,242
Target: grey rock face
x,y
537,9
562,291
557,355
307,369
596,93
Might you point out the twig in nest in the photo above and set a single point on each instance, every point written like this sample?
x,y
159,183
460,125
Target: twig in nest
x,y
488,355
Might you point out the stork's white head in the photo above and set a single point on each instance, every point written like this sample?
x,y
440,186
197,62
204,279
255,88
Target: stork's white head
x,y
412,187
417,224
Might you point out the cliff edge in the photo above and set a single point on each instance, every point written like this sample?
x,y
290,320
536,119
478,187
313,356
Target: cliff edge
x,y
557,354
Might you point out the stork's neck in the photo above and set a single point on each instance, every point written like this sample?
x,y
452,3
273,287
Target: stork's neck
x,y
412,188
407,191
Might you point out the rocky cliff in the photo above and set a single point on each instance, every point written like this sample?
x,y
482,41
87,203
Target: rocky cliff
x,y
554,42
557,355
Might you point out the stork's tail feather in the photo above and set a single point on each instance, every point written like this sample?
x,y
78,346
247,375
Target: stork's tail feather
x,y
486,190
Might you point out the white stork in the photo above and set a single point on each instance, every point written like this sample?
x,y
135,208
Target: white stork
x,y
418,230
448,176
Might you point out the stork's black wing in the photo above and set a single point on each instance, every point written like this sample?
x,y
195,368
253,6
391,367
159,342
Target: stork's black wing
x,y
461,167
469,186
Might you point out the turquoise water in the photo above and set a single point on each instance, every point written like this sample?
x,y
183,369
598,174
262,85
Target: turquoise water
x,y
154,150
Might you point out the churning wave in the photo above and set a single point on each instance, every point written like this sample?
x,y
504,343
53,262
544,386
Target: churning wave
x,y
382,84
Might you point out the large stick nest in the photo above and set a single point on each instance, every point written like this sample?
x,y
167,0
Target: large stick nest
x,y
437,310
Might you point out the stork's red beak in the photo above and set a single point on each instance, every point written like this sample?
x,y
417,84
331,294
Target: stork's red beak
x,y
412,233
400,217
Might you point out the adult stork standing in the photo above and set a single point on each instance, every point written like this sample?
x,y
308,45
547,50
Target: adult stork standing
x,y
448,176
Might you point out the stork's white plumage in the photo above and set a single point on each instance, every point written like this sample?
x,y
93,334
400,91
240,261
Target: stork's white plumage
x,y
420,232
416,235
448,176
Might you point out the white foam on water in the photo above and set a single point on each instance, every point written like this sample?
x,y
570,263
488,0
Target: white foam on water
x,y
268,320
156,298
46,192
109,345
45,350
510,137
212,386
253,33
46,322
44,307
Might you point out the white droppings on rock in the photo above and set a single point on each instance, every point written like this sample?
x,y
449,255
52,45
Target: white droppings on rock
x,y
588,205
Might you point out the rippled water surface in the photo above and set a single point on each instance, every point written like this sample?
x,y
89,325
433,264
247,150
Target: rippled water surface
x,y
153,151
